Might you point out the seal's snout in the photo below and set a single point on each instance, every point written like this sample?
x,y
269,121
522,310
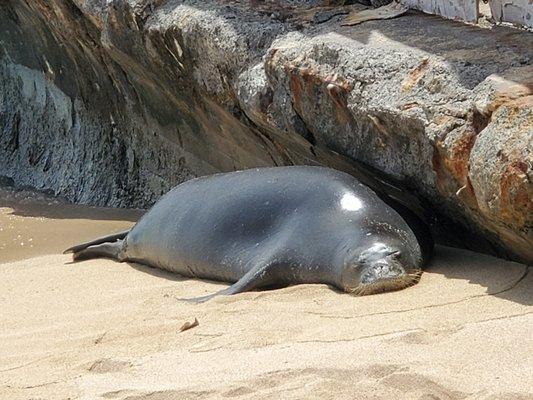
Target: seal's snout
x,y
381,271
386,276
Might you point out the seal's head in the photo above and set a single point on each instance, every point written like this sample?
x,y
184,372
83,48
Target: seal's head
x,y
379,268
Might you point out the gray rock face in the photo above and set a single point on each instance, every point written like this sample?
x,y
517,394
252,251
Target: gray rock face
x,y
115,102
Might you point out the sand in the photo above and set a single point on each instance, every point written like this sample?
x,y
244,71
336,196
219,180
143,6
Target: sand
x,y
106,330
33,224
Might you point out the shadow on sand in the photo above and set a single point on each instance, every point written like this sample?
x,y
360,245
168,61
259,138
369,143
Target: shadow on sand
x,y
28,203
504,279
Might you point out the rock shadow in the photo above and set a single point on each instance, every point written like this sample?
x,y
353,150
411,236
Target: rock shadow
x,y
505,279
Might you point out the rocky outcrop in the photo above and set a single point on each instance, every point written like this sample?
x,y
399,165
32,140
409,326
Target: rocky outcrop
x,y
115,102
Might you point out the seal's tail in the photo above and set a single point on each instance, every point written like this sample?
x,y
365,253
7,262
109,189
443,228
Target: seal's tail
x,y
106,250
106,246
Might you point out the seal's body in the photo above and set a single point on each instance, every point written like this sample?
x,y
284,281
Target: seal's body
x,y
273,227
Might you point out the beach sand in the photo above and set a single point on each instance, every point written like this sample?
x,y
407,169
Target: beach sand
x,y
100,329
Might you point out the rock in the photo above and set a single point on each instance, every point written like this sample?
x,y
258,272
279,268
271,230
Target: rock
x,y
501,174
114,103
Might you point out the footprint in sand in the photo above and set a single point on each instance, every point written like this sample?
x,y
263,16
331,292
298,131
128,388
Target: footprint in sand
x,y
106,365
419,386
240,391
422,336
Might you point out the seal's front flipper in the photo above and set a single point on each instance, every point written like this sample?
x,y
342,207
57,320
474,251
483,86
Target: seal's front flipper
x,y
253,279
203,299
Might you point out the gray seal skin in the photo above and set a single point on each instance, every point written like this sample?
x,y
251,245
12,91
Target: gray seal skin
x,y
273,227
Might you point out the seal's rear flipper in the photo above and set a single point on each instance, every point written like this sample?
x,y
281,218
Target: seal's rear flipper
x,y
104,250
109,238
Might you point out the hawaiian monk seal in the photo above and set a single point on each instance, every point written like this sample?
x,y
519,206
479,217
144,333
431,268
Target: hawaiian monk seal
x,y
274,227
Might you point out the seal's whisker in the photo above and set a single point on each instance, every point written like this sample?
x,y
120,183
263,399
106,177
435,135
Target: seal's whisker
x,y
384,285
